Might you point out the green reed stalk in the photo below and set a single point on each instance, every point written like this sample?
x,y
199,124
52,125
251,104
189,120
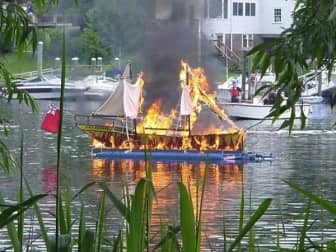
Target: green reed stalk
x,y
304,228
187,220
81,229
150,194
241,213
86,237
200,208
117,243
251,233
12,233
225,236
38,214
12,212
331,246
21,196
59,139
250,223
324,204
136,235
118,204
100,223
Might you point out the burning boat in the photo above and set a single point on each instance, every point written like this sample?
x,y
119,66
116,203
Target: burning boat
x,y
120,129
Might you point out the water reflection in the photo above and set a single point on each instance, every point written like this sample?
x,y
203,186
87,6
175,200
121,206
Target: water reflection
x,y
222,193
49,178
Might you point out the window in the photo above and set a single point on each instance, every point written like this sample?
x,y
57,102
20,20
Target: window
x,y
240,9
247,40
225,8
216,9
277,15
253,9
249,9
237,9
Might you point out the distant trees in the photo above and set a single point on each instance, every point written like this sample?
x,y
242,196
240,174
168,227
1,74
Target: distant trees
x,y
108,28
90,42
120,24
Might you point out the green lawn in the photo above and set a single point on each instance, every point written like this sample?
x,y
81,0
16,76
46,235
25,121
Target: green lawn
x,y
20,64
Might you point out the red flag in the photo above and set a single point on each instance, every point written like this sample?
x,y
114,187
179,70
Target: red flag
x,y
50,122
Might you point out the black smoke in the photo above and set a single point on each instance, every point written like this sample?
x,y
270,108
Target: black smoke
x,y
171,36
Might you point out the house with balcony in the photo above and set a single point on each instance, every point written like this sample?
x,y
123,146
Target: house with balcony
x,y
236,25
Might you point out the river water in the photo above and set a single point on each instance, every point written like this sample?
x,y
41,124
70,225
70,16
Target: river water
x,y
306,158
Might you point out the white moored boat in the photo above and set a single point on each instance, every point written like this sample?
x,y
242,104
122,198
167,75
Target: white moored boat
x,y
258,110
49,88
99,87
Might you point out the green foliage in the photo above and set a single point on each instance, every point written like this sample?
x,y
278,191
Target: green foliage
x,y
12,212
15,63
120,23
7,161
187,218
323,203
310,39
91,43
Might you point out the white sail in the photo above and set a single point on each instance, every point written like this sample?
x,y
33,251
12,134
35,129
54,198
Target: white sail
x,y
186,107
131,98
124,101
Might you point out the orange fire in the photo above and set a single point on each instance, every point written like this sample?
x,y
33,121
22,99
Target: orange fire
x,y
155,121
173,131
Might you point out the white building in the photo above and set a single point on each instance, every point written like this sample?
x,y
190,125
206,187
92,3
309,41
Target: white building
x,y
244,23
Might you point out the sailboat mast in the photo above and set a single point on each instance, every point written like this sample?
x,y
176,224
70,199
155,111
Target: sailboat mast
x,y
188,116
130,71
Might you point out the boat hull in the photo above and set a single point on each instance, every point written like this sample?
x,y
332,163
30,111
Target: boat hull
x,y
116,138
52,93
258,111
176,155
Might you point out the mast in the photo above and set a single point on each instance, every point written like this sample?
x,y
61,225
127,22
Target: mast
x,y
188,116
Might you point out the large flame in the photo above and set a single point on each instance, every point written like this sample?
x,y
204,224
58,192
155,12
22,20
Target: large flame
x,y
167,127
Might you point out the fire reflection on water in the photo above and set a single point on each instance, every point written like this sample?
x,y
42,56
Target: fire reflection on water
x,y
222,193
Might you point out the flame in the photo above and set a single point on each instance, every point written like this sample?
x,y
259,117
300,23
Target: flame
x,y
97,144
141,83
173,131
156,122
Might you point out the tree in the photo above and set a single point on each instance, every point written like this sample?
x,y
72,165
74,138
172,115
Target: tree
x,y
121,23
310,39
92,45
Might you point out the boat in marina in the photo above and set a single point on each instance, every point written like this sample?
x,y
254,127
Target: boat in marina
x,y
259,110
223,90
259,106
119,128
48,87
99,86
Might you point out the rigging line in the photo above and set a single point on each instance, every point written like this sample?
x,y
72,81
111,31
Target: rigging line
x,y
256,124
126,127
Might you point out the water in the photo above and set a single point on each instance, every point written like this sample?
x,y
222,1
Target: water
x,y
306,158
